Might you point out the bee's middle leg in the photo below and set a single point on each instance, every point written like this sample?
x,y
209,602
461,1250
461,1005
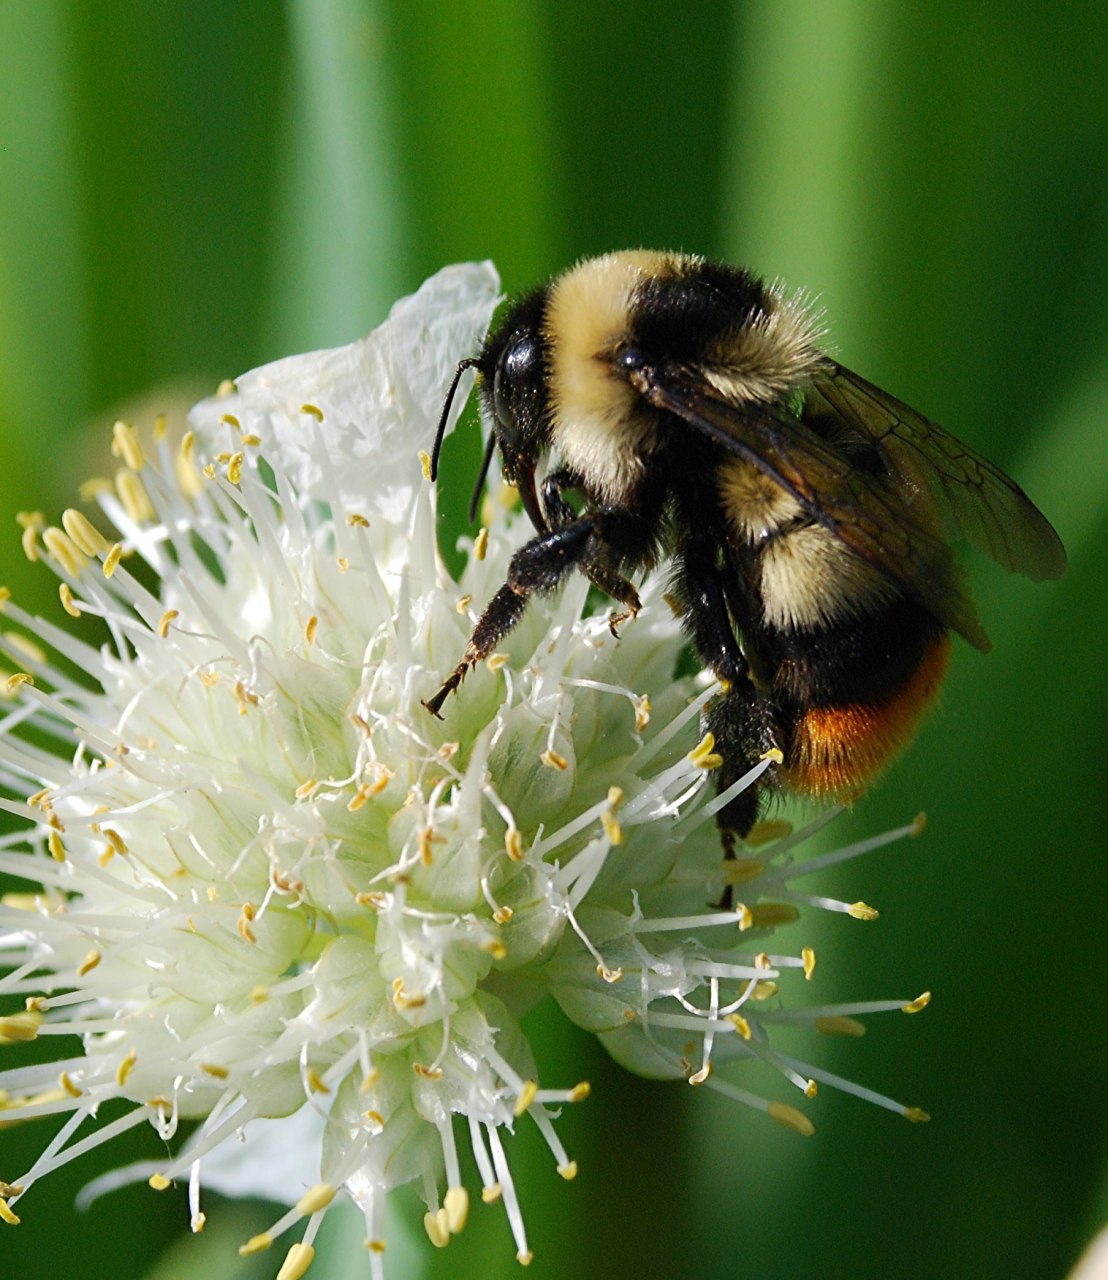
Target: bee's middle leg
x,y
741,718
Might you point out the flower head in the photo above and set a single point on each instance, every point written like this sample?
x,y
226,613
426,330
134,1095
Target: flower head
x,y
273,895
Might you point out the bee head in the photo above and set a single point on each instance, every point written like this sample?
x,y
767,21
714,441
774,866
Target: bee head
x,y
511,370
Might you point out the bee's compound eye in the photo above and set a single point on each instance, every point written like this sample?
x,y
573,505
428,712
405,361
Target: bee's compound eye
x,y
520,364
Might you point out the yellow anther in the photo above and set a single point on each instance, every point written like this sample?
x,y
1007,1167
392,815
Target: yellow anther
x,y
196,1223
133,495
492,1193
305,789
704,755
215,1070
771,914
5,596
30,519
437,1227
91,960
507,496
29,541
859,911
448,750
313,411
84,533
226,388
642,713
66,1082
791,1118
609,975
463,604
161,426
611,826
774,754
188,446
698,1077
358,521
526,1097
425,463
580,1091
916,1115
553,760
234,467
402,999
456,1205
375,1246
763,989
920,1002
316,1082
66,596
116,841
740,1024
524,1257
249,440
837,1025
126,1067
170,616
125,445
496,660
256,1244
21,902
209,679
745,916
568,1170
358,799
158,1182
319,1197
244,922
513,844
54,844
741,870
427,1073
481,544
503,915
767,831
64,551
229,420
811,1089
8,1214
918,824
112,559
495,948
426,836
19,1028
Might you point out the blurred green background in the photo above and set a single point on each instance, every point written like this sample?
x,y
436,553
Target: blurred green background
x,y
189,190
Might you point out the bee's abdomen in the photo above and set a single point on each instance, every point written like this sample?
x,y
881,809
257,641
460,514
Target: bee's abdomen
x,y
852,697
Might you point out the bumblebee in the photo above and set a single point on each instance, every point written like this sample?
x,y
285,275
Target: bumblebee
x,y
687,408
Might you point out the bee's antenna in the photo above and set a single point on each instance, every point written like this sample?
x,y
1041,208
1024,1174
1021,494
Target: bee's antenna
x,y
470,363
486,462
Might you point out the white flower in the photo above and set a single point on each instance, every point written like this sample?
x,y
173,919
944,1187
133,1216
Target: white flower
x,y
274,895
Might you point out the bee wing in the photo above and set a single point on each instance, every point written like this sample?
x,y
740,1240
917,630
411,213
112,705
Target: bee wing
x,y
986,507
867,512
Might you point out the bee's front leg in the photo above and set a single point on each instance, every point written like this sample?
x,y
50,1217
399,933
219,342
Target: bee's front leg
x,y
591,542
